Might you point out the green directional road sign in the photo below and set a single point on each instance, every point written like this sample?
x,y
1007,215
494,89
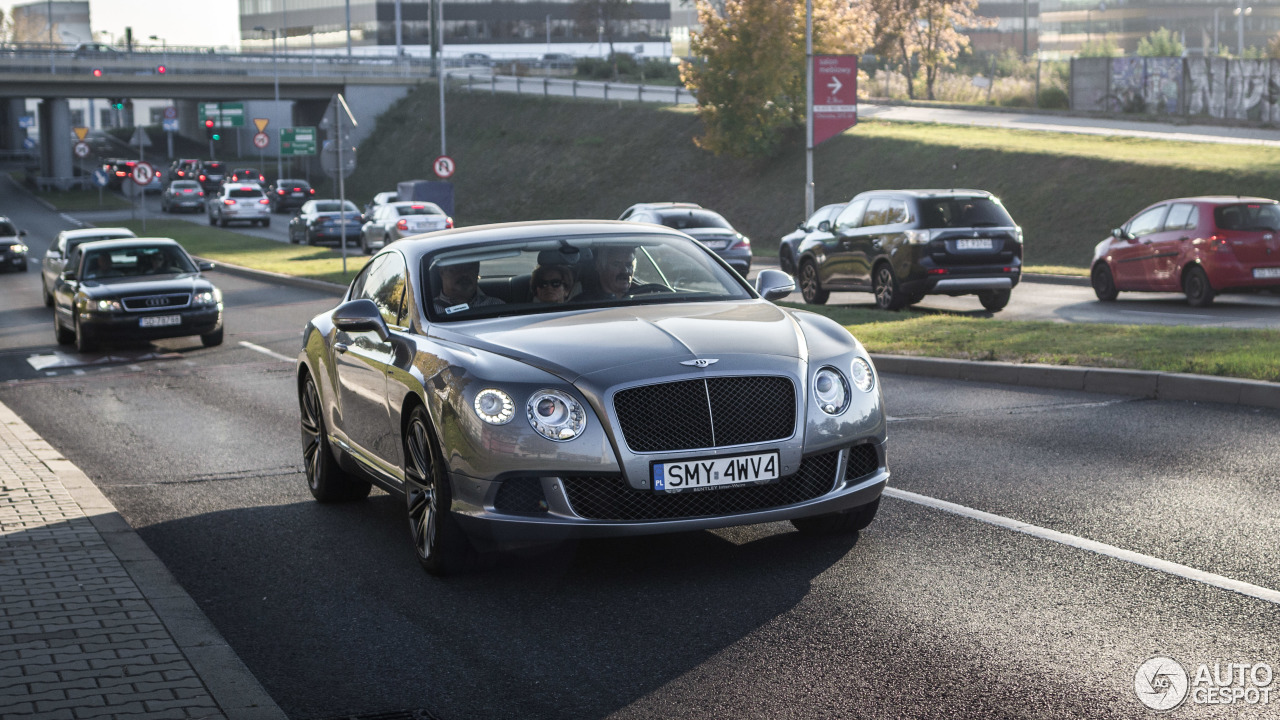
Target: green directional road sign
x,y
298,141
228,114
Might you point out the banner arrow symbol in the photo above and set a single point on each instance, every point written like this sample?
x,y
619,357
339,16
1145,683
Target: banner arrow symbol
x,y
835,85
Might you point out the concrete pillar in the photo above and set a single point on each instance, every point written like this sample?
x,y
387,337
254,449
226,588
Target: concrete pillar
x,y
14,108
189,119
55,142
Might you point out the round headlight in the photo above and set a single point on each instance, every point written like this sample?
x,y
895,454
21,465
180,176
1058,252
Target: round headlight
x,y
556,416
494,406
831,391
863,377
105,306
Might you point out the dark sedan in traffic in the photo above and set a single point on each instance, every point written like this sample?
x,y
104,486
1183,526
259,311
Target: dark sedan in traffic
x,y
134,289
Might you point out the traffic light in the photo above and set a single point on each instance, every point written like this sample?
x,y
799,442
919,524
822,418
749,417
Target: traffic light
x,y
97,72
117,103
160,69
209,131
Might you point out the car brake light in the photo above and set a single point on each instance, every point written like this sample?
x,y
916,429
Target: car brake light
x,y
228,201
402,225
742,242
121,173
418,207
280,191
937,271
264,201
200,193
202,178
448,223
313,191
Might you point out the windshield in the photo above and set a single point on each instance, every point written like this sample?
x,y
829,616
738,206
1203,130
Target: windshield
x,y
419,209
1248,216
554,274
136,261
7,229
952,212
687,219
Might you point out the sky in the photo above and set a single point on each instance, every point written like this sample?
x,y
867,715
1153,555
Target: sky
x,y
179,22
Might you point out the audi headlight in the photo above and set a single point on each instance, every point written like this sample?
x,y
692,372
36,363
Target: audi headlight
x,y
209,297
864,378
104,306
494,406
20,248
831,391
556,416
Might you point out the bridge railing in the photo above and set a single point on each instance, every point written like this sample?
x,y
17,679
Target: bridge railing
x,y
569,87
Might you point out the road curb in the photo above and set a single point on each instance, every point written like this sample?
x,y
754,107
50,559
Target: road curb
x,y
229,682
1055,279
281,278
1137,383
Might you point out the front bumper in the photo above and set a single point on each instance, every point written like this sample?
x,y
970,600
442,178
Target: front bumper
x,y
556,515
126,326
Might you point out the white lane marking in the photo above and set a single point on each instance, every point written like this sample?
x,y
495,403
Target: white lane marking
x,y
1147,561
1171,314
266,351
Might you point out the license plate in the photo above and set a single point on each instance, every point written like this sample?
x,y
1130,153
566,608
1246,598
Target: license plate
x,y
297,194
160,321
975,244
19,260
716,244
1266,273
685,475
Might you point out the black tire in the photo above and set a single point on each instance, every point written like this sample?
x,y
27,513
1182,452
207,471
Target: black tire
x,y
1195,283
915,298
222,221
885,286
61,334
84,343
44,291
293,239
310,240
327,481
994,300
1104,284
810,286
364,245
266,222
212,339
211,220
847,521
786,263
438,541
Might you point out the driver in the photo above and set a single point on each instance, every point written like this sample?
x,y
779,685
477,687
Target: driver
x,y
615,267
460,289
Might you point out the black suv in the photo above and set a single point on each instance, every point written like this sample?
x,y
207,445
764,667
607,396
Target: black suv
x,y
905,244
210,175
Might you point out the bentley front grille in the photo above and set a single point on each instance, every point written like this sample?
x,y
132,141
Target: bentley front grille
x,y
611,498
706,413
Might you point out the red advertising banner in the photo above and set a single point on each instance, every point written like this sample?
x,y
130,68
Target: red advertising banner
x,y
835,95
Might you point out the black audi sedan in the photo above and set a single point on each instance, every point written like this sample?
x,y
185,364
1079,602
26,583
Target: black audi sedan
x,y
134,289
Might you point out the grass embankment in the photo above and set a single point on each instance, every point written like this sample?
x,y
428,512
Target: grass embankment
x,y
1247,354
530,158
225,246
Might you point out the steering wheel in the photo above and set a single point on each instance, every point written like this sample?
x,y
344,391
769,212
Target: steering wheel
x,y
648,289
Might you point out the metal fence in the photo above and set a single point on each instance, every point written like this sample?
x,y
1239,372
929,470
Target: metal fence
x,y
586,89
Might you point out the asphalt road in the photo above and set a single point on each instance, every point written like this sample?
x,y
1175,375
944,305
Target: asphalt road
x,y
926,614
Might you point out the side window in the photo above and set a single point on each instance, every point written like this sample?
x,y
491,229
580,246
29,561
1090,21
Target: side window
x,y
877,212
62,244
1181,216
851,215
73,262
357,285
1148,222
384,285
898,213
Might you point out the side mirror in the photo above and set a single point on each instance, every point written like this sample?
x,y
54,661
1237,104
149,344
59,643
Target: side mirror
x,y
205,265
68,276
824,226
801,226
1122,234
360,316
22,233
774,284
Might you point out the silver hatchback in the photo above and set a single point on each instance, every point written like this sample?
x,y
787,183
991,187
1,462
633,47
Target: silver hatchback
x,y
240,202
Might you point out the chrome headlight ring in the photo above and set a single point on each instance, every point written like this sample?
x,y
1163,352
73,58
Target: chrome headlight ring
x,y
555,415
863,376
494,406
831,390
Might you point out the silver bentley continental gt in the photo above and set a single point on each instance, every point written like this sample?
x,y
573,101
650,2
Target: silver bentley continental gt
x,y
548,380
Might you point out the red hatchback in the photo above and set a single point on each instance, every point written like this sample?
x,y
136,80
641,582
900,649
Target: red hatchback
x,y
1199,246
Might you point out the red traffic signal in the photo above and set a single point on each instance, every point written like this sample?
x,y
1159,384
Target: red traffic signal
x,y
97,72
160,69
209,123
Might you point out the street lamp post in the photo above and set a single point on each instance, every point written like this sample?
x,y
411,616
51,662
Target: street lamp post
x,y
275,70
1216,10
164,49
1240,12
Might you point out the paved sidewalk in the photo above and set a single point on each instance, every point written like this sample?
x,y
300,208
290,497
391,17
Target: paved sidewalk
x,y
92,625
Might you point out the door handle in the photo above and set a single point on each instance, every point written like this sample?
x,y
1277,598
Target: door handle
x,y
340,347
1184,238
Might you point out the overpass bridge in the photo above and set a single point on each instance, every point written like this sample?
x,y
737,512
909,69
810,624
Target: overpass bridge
x,y
304,84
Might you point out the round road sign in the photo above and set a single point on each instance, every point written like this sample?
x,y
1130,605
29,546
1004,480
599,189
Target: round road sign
x,y
81,149
143,174
171,113
100,177
444,167
261,140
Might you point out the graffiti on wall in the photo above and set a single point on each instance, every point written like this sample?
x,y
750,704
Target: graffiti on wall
x,y
1216,87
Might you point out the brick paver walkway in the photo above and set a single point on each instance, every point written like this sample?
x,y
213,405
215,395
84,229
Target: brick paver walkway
x,y
83,606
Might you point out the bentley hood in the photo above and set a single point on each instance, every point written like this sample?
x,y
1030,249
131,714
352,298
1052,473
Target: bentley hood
x,y
583,343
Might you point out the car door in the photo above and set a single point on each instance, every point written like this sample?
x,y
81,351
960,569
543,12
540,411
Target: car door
x,y
64,291
1131,254
1168,245
864,245
54,260
363,360
836,270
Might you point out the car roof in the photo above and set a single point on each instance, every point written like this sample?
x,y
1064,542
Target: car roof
x,y
91,232
663,205
414,249
1219,199
126,243
923,193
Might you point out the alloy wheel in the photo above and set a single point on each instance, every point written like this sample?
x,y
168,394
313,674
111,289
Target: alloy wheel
x,y
420,491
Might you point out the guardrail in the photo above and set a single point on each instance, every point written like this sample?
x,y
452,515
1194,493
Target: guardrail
x,y
588,89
